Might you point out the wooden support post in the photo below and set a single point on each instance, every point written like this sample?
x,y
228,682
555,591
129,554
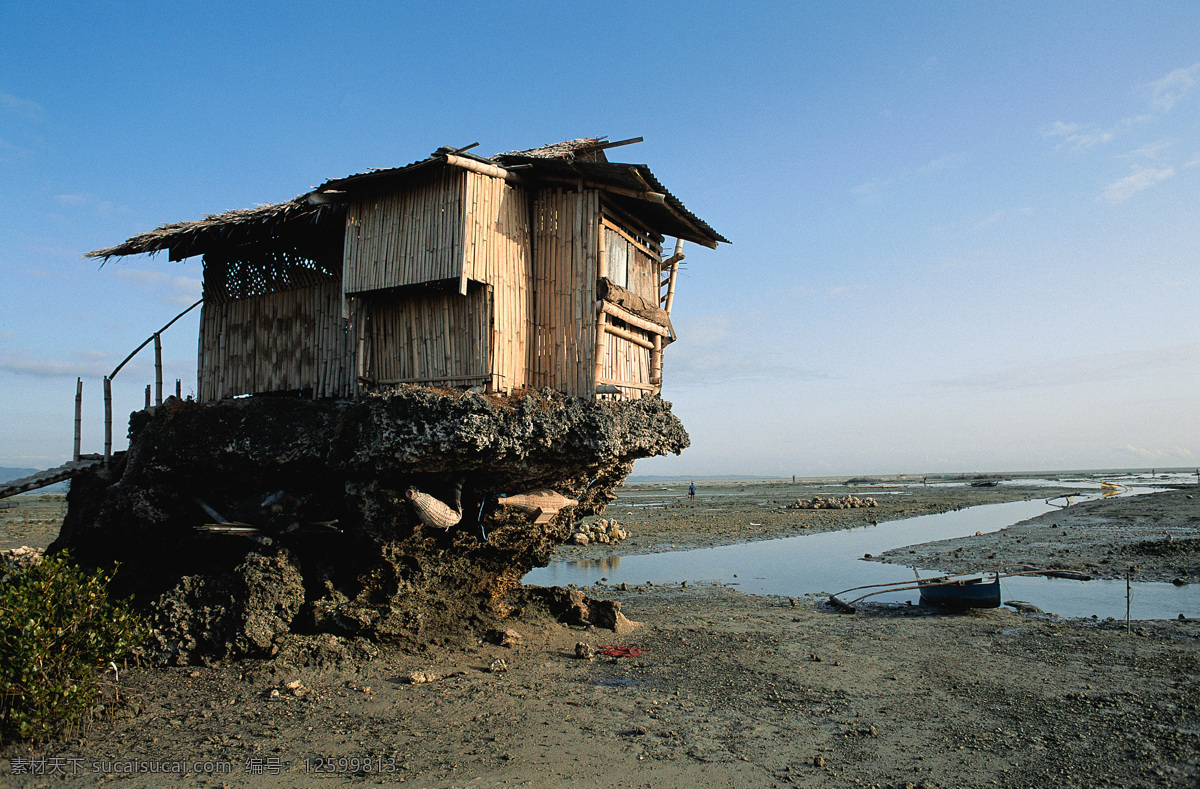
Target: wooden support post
x,y
78,415
107,420
158,369
147,396
178,389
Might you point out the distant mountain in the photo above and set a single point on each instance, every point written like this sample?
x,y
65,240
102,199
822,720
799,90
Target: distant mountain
x,y
8,474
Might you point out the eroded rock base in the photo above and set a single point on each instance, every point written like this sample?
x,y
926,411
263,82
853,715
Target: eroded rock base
x,y
315,532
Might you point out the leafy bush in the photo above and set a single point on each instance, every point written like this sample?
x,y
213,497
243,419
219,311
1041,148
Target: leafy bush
x,y
57,628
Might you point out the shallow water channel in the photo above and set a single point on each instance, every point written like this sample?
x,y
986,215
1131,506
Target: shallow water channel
x,y
832,561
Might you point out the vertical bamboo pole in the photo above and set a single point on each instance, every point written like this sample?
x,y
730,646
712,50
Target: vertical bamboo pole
x,y
178,389
598,367
678,256
107,420
78,415
158,369
656,360
147,397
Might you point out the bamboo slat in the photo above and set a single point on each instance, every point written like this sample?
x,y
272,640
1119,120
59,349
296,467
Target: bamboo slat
x,y
632,337
625,315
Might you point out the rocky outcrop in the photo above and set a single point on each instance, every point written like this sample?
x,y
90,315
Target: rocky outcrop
x,y
309,529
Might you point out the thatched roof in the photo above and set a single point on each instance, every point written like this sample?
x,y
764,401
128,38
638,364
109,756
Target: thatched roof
x,y
562,150
230,229
323,209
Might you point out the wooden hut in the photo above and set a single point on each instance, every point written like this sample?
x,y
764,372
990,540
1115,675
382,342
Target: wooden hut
x,y
529,269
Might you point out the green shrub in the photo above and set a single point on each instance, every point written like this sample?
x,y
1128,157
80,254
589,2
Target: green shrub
x,y
57,630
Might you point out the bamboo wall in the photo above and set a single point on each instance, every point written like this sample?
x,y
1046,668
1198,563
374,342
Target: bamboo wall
x,y
277,342
406,237
497,252
626,365
431,338
482,224
566,240
630,264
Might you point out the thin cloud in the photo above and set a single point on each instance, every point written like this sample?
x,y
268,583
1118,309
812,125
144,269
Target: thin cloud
x,y
872,191
171,289
1141,178
1085,369
1151,151
20,107
1002,214
89,364
1170,90
1076,137
100,208
11,151
721,348
1144,453
950,162
1162,96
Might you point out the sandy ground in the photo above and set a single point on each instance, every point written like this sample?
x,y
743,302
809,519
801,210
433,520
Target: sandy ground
x,y
733,690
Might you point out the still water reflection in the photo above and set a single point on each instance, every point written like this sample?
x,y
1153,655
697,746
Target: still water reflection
x,y
831,561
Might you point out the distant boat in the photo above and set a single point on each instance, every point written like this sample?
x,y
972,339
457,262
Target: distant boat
x,y
965,593
985,483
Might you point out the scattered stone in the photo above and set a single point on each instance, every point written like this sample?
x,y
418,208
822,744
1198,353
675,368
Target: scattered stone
x,y
505,638
584,651
498,665
818,761
422,677
832,503
601,532
23,558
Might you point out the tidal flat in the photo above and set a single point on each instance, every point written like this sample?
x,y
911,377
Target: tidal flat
x,y
729,689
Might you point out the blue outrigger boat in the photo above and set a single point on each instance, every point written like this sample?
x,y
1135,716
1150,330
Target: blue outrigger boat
x,y
963,593
954,592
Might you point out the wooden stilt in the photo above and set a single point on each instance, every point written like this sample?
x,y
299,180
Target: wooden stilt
x,y
107,420
78,415
158,369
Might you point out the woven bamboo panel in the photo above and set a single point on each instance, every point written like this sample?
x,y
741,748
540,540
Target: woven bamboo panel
x,y
497,253
566,250
277,342
407,237
428,338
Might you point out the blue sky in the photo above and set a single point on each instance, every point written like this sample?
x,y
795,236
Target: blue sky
x,y
965,235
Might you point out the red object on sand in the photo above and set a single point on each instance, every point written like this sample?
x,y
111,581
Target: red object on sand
x,y
614,651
